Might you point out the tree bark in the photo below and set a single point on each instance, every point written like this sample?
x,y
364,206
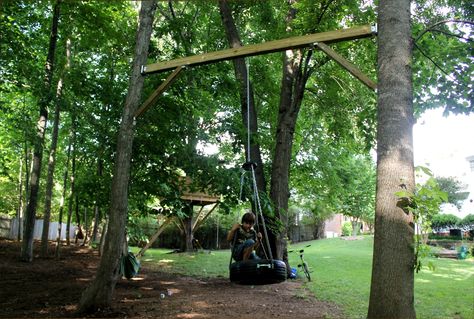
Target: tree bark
x,y
61,205
187,223
241,74
20,198
27,188
52,159
293,82
30,214
392,285
73,176
99,293
97,201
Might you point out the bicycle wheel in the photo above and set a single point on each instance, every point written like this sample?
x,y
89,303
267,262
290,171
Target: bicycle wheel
x,y
306,271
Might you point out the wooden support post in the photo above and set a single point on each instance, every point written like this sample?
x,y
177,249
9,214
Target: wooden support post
x,y
263,48
347,65
155,95
154,237
199,221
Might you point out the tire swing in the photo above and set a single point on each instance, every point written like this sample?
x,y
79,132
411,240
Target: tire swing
x,y
255,271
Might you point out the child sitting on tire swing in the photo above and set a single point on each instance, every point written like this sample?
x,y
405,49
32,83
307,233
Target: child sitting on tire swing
x,y
244,239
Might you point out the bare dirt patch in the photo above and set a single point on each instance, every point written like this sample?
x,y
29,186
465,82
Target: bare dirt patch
x,y
50,288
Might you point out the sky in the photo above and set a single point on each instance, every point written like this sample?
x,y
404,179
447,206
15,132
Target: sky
x,y
442,144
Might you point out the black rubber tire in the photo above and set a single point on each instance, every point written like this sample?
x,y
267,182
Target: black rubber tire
x,y
306,271
258,272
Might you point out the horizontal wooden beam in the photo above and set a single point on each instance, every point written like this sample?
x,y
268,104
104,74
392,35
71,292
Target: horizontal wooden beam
x,y
156,94
263,48
347,65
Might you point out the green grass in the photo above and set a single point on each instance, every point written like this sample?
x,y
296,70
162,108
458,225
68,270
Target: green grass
x,y
202,264
341,272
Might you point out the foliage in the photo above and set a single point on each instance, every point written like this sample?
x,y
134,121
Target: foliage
x,y
443,59
467,223
441,222
346,229
453,187
140,229
424,203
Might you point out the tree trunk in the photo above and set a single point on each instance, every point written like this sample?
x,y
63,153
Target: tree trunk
x,y
61,205
27,188
97,201
99,293
20,198
391,292
30,214
86,229
187,223
241,74
73,177
291,96
52,165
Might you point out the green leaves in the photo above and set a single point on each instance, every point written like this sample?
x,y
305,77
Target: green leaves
x,y
424,204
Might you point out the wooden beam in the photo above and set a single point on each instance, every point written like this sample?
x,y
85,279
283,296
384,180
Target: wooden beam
x,y
156,94
262,48
155,236
201,220
347,65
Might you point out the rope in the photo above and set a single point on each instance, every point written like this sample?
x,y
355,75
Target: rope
x,y
248,111
259,208
254,180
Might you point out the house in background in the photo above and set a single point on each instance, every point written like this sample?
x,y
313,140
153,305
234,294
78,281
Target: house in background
x,y
468,205
333,226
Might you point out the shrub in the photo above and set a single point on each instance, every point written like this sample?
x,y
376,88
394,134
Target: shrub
x,y
444,221
347,229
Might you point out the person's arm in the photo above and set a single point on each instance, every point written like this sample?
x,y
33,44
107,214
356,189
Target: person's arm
x,y
230,235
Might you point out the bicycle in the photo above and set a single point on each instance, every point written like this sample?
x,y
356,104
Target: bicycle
x,y
304,264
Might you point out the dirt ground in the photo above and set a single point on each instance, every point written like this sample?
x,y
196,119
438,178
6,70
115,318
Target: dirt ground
x,y
50,288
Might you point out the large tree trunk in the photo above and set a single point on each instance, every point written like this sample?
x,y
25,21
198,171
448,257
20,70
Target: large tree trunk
x,y
241,74
295,75
30,214
391,293
52,161
187,223
99,293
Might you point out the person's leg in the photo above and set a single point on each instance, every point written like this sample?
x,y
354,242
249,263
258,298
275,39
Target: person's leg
x,y
237,252
248,247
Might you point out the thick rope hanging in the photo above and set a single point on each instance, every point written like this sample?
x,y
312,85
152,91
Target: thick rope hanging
x,y
252,168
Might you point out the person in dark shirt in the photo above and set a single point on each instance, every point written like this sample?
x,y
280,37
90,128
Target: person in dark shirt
x,y
244,239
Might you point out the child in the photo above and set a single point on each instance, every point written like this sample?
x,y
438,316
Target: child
x,y
246,238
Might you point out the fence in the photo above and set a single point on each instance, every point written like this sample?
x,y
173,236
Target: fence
x,y
9,229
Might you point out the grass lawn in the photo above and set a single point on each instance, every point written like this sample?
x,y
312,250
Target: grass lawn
x,y
341,271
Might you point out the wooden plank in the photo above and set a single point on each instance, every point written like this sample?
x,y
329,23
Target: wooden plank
x,y
155,236
201,220
347,65
156,94
262,48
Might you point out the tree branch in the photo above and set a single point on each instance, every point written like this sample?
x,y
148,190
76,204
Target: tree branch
x,y
431,27
432,61
452,35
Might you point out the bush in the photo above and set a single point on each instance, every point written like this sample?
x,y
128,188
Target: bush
x,y
347,229
446,238
444,221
